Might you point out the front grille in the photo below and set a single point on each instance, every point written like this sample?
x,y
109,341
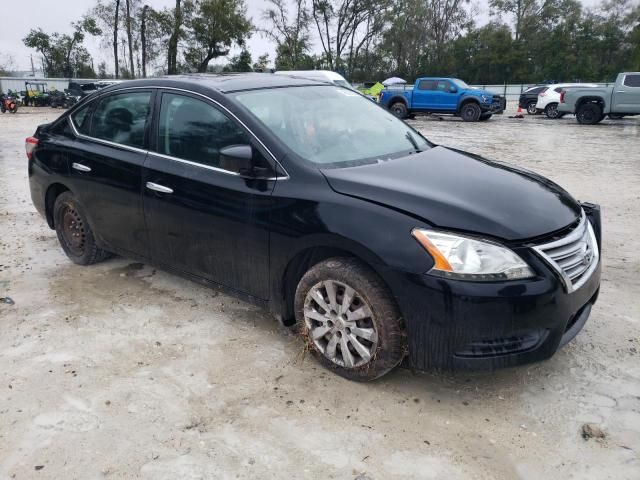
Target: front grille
x,y
574,257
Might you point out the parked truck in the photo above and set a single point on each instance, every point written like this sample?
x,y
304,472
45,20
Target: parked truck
x,y
591,105
442,95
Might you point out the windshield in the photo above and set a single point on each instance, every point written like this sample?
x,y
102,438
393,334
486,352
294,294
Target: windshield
x,y
343,83
460,83
332,126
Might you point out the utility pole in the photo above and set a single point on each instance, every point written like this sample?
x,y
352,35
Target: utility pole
x,y
33,69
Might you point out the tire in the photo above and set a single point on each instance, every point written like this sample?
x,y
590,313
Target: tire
x,y
14,110
589,114
470,112
551,111
484,117
3,110
374,313
399,109
74,233
531,108
616,116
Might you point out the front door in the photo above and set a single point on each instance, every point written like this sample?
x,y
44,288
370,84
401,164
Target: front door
x,y
106,168
203,215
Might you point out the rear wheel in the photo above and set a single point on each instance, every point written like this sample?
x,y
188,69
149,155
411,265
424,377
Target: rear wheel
x,y
74,233
551,111
470,112
399,109
349,319
531,108
589,114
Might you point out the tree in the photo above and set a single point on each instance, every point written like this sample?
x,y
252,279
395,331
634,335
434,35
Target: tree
x,y
130,37
262,64
240,63
64,54
215,26
172,55
7,64
290,34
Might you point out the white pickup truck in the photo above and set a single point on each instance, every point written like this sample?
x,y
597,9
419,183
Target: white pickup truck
x,y
591,105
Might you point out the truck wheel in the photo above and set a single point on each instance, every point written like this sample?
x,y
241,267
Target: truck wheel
x,y
399,109
531,108
470,112
349,319
616,116
484,117
551,111
589,114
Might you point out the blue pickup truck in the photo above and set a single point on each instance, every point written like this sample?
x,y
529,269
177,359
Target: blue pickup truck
x,y
442,95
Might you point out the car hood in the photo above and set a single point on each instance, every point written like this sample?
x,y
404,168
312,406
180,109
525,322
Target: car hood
x,y
455,190
478,91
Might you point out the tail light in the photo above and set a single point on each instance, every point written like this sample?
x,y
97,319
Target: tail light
x,y
562,96
29,145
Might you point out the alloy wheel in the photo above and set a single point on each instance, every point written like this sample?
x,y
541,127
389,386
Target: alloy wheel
x,y
340,324
531,108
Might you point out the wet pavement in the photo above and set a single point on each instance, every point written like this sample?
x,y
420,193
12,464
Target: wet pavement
x,y
120,370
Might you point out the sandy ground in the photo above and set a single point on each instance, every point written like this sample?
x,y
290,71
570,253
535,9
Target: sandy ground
x,y
122,371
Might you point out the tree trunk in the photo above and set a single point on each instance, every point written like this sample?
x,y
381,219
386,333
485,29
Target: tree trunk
x,y
115,37
173,41
130,38
143,39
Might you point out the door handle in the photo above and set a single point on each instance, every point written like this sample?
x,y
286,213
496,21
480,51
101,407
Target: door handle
x,y
80,167
620,91
159,188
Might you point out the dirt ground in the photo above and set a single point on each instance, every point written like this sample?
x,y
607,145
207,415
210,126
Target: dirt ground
x,y
122,371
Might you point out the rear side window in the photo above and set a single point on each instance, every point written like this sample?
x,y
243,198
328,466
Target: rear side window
x,y
80,119
426,85
535,90
632,81
558,89
121,118
193,130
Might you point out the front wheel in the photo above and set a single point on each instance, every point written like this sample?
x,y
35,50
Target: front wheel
x,y
615,116
399,109
74,233
470,112
551,111
349,319
485,116
589,114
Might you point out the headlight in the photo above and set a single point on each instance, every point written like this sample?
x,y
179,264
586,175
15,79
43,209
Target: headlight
x,y
466,258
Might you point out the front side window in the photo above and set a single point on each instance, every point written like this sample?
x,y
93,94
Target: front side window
x,y
331,126
193,130
121,118
632,81
444,86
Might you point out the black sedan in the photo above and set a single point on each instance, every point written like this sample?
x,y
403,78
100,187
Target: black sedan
x,y
312,201
529,97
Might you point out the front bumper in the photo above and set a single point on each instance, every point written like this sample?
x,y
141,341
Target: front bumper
x,y
454,324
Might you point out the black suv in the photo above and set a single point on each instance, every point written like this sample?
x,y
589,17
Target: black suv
x,y
312,201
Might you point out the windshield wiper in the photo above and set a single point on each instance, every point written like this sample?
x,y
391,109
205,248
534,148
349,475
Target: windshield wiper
x,y
413,142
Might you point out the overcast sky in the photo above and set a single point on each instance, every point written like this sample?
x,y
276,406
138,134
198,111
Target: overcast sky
x,y
56,16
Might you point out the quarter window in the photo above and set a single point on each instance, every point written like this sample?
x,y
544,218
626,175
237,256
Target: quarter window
x,y
80,119
191,129
121,118
632,81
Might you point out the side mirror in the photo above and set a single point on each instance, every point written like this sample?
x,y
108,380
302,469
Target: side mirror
x,y
237,158
453,89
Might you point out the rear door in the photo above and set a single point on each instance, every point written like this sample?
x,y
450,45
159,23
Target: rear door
x,y
204,217
423,95
626,95
105,167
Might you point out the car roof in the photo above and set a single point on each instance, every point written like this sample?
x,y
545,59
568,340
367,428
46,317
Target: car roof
x,y
223,83
312,74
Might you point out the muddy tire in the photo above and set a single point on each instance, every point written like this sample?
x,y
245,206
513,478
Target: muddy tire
x,y
470,112
551,111
531,108
399,109
349,320
589,114
74,233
